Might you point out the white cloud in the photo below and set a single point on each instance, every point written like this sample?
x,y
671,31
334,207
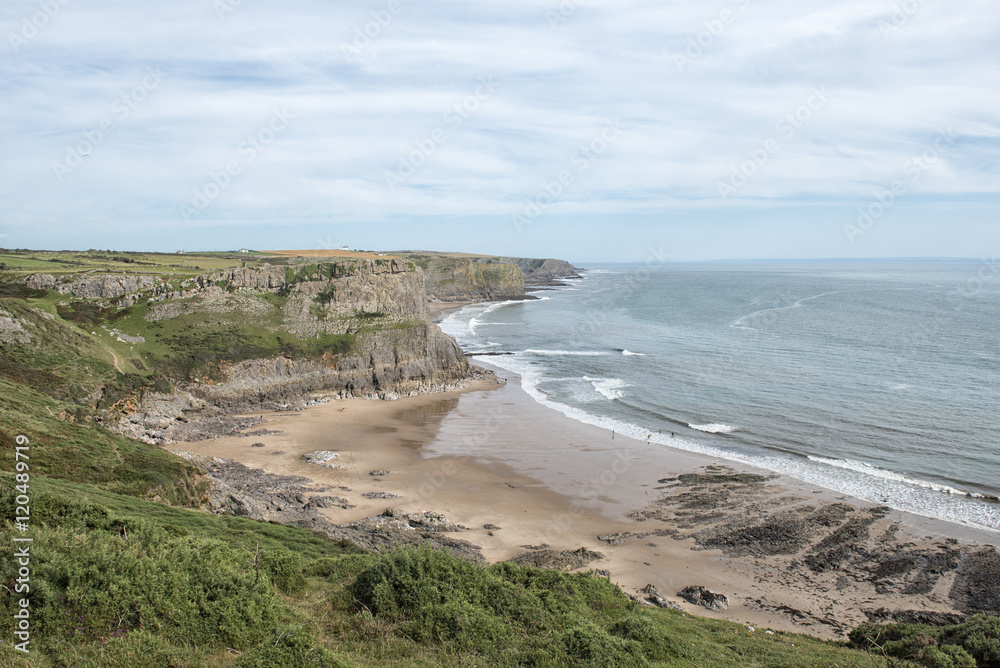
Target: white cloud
x,y
893,83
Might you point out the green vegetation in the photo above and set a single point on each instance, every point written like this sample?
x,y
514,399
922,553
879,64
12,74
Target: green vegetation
x,y
128,571
24,262
973,643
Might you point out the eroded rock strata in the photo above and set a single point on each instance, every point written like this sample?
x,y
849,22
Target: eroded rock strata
x,y
843,557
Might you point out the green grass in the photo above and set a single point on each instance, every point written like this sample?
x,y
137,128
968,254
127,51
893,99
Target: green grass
x,y
84,452
64,262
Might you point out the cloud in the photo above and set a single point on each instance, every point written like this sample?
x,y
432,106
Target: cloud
x,y
698,90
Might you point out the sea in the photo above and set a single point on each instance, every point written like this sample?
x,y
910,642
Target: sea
x,y
876,379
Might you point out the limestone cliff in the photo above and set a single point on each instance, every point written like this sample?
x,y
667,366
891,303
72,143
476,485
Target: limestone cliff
x,y
377,307
538,272
472,281
383,364
255,337
465,278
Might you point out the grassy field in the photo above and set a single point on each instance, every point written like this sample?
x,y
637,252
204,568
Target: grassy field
x,y
59,263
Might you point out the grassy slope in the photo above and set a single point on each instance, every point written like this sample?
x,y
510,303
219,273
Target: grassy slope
x,y
125,572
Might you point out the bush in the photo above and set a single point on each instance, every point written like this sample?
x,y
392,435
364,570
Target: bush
x,y
339,568
973,643
96,584
284,569
655,644
504,612
980,637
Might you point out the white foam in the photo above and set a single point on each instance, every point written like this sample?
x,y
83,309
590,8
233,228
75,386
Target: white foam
x,y
714,428
462,324
632,354
581,353
868,469
476,321
610,388
918,499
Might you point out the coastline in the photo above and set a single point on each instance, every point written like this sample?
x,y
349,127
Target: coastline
x,y
489,455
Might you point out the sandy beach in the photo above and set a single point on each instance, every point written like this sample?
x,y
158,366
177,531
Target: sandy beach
x,y
521,476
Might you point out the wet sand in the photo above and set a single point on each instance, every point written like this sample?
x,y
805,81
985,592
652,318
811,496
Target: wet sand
x,y
490,455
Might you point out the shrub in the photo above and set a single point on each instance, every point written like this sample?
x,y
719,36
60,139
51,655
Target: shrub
x,y
96,584
339,568
501,611
591,646
975,642
284,569
655,644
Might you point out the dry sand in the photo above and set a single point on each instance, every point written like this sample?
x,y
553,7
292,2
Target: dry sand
x,y
490,455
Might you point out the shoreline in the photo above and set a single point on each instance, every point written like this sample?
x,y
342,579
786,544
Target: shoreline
x,y
491,456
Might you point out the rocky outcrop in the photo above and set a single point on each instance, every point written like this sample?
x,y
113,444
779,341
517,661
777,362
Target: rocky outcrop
x,y
698,595
266,277
566,560
40,281
106,287
653,597
245,492
384,364
12,329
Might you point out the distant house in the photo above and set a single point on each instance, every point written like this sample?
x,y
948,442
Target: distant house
x,y
180,252
244,250
345,248
381,253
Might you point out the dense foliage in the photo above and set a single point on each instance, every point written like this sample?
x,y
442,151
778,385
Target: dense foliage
x,y
974,643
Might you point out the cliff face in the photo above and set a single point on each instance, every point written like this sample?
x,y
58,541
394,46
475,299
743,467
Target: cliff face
x,y
539,272
257,337
381,305
384,364
473,281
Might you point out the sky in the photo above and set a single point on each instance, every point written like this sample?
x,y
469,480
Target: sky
x,y
587,130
